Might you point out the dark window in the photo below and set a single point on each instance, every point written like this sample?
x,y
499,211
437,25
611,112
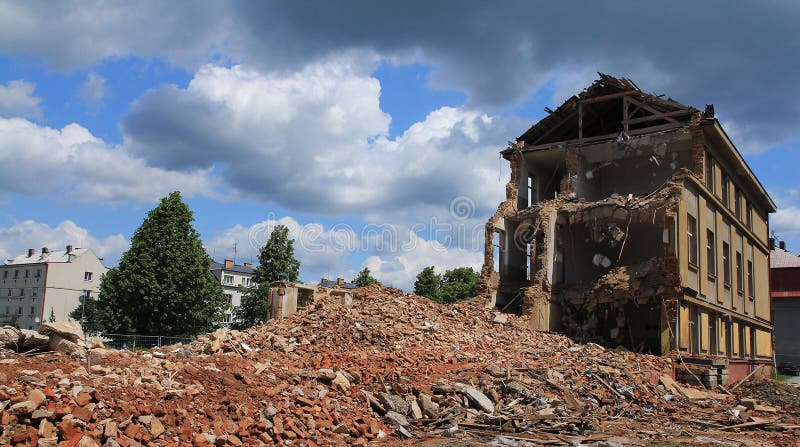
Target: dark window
x,y
739,278
38,273
710,173
737,207
749,216
726,199
691,234
750,286
5,274
726,264
711,253
21,292
16,274
27,273
87,276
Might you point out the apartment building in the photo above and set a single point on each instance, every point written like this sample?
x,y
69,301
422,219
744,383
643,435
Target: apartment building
x,y
45,284
632,220
233,277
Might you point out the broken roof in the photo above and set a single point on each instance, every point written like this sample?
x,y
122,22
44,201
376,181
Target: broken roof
x,y
607,107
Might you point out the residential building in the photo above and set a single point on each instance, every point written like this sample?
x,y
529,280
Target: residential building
x,y
785,294
340,282
38,285
632,220
233,277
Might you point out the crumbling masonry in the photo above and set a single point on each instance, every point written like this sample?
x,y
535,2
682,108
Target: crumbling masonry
x,y
601,231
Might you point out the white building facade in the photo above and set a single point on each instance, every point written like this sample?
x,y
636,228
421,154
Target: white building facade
x,y
232,277
42,285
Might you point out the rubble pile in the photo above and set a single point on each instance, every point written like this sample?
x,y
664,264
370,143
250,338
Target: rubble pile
x,y
382,368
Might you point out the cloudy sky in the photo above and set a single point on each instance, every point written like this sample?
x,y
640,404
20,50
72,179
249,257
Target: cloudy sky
x,y
371,129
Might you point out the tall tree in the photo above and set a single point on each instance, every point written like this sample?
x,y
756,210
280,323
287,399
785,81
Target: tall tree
x,y
276,263
163,284
428,283
458,284
364,278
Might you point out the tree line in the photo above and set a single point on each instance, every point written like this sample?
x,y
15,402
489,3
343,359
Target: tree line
x,y
164,285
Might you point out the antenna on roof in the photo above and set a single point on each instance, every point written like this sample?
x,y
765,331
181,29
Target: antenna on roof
x,y
234,253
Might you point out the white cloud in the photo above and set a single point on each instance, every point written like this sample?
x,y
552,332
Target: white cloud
x,y
17,99
401,268
39,160
19,237
316,141
94,88
786,222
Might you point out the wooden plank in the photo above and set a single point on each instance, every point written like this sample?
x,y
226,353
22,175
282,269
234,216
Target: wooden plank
x,y
651,110
554,128
658,116
608,97
609,136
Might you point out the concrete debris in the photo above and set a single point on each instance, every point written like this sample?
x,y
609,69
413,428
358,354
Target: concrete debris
x,y
316,378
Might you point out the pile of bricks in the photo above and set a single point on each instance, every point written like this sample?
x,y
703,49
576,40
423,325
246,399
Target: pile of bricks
x,y
381,369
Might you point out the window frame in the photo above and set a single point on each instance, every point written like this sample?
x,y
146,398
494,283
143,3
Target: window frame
x,y
710,173
739,273
726,264
692,240
711,253
725,193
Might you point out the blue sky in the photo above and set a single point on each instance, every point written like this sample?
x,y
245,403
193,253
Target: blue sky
x,y
359,126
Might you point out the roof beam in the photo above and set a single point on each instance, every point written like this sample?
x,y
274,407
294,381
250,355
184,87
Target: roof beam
x,y
658,116
556,127
652,110
605,98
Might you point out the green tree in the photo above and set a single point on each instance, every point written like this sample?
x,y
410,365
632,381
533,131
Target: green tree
x,y
163,284
52,315
276,263
457,284
364,278
428,283
85,314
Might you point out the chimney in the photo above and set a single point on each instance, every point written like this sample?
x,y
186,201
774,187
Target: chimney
x,y
772,243
248,265
782,244
45,250
31,251
339,281
228,263
69,249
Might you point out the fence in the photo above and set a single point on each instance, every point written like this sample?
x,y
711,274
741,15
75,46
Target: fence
x,y
133,341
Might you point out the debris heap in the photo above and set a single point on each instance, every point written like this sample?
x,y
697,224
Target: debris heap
x,y
381,368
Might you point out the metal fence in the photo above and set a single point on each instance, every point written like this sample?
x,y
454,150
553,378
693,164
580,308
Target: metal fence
x,y
133,341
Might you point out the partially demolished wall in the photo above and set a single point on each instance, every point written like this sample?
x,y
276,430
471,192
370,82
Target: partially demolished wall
x,y
601,271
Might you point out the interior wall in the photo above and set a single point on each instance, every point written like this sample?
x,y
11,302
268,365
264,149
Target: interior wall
x,y
643,241
636,168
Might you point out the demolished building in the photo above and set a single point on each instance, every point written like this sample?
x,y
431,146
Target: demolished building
x,y
633,220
